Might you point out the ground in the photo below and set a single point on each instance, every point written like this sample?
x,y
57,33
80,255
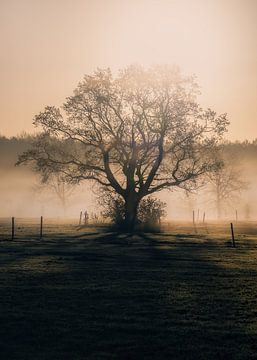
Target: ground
x,y
88,293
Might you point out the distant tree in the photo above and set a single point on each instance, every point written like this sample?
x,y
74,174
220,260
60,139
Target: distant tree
x,y
57,185
189,199
138,133
225,186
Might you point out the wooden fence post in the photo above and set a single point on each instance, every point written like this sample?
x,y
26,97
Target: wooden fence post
x,y
41,227
203,217
194,224
232,234
12,228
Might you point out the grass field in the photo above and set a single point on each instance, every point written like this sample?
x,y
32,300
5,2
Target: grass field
x,y
86,293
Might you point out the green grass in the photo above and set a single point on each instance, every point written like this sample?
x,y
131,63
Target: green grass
x,y
89,294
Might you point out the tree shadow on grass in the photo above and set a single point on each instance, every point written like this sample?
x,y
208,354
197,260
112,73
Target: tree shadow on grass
x,y
131,297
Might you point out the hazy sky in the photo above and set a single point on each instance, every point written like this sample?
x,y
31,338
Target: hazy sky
x,y
48,45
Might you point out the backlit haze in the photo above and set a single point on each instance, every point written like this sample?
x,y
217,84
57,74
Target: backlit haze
x,y
47,47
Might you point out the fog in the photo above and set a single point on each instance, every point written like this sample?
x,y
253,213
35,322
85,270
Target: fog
x,y
22,195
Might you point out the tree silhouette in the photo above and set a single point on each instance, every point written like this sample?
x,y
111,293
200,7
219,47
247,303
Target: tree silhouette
x,y
58,187
137,133
226,185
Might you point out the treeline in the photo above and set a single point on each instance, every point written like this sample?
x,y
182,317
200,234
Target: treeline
x,y
10,148
243,150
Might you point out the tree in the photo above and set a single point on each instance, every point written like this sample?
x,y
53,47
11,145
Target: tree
x,y
226,185
137,133
57,186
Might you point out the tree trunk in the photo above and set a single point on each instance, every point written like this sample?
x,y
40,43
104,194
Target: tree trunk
x,y
131,209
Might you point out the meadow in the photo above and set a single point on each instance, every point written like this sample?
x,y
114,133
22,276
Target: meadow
x,y
85,292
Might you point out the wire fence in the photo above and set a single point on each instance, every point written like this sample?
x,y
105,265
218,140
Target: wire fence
x,y
17,228
46,228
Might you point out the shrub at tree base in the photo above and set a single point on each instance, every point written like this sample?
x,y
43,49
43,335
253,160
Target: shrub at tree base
x,y
150,212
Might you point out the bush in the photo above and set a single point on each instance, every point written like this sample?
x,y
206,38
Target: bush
x,y
113,207
150,212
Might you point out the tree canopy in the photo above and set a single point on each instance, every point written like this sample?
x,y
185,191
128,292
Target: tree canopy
x,y
137,133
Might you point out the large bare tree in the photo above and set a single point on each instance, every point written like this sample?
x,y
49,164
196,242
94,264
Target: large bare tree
x,y
137,133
